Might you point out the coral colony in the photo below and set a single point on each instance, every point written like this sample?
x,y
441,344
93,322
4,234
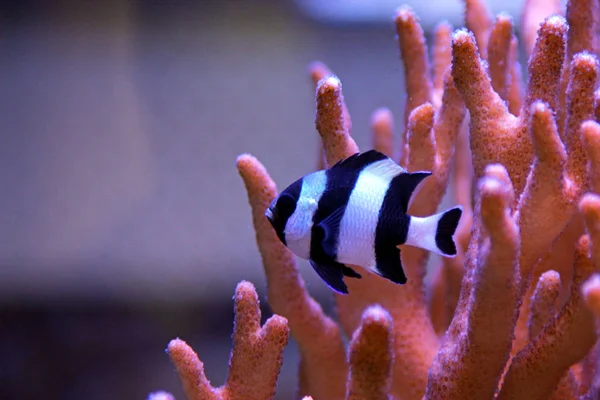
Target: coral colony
x,y
513,316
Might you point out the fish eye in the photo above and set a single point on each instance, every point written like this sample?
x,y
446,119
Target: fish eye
x,y
286,204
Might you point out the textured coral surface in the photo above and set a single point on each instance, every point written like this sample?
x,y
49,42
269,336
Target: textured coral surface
x,y
514,315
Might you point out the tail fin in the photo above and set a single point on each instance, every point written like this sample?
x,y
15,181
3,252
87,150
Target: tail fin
x,y
446,227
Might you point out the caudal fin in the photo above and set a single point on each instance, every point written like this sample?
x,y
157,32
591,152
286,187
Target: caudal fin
x,y
446,227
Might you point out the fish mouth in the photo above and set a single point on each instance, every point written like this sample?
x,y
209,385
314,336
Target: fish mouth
x,y
269,214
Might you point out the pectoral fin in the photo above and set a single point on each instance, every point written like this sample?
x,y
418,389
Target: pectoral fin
x,y
330,229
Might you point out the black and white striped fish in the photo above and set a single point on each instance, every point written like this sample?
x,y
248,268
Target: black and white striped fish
x,y
354,213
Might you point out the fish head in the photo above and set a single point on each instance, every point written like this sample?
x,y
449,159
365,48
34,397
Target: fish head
x,y
282,208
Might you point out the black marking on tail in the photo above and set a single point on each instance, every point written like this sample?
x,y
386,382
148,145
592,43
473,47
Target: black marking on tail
x,y
445,230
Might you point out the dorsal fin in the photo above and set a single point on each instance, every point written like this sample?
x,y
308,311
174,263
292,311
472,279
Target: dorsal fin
x,y
379,164
360,160
402,187
386,169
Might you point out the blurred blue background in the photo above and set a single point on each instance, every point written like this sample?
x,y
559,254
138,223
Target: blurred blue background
x,y
123,221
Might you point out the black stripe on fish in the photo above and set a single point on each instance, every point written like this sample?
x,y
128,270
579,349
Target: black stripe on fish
x,y
402,188
341,180
284,207
392,225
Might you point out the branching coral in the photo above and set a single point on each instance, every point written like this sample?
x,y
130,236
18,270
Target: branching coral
x,y
255,360
512,316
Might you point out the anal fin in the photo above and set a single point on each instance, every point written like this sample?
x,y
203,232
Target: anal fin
x,y
332,274
389,264
350,273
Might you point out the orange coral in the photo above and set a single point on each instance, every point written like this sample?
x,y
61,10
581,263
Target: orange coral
x,y
512,316
255,360
535,371
370,356
319,338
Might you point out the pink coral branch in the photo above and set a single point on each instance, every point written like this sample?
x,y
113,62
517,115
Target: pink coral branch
x,y
591,293
591,369
477,344
479,21
544,302
536,370
426,154
534,12
491,124
499,60
499,46
567,388
590,131
515,89
382,131
463,178
546,191
319,71
431,139
446,127
533,151
413,51
582,18
191,372
255,360
495,133
331,121
441,59
318,337
546,64
370,356
543,191
446,279
257,353
590,207
543,309
597,105
439,311
580,107
421,142
415,341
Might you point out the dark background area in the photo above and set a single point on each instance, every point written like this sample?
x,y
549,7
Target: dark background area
x,y
123,222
